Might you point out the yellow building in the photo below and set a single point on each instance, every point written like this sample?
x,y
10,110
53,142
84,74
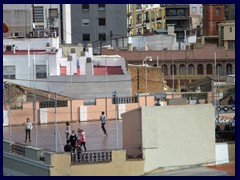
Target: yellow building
x,y
145,18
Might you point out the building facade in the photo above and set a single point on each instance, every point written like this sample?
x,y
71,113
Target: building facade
x,y
38,20
179,15
145,18
183,66
213,14
227,35
98,23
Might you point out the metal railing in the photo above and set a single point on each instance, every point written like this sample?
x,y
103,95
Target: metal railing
x,y
18,149
91,157
222,109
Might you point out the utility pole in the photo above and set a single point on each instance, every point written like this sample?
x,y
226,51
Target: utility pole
x,y
138,87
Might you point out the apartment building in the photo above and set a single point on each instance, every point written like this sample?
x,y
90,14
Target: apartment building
x,y
98,23
145,18
38,20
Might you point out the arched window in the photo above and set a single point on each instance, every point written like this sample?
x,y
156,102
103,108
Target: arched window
x,y
209,69
218,12
229,69
173,69
219,69
200,69
164,69
182,69
191,69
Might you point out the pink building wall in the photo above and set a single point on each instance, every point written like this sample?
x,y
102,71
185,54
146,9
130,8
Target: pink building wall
x,y
93,112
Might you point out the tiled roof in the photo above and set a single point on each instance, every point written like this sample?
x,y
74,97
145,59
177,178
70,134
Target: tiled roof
x,y
19,90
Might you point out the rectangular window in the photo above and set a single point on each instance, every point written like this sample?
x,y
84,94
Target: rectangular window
x,y
86,37
73,50
85,22
102,36
38,14
101,7
231,44
41,71
85,7
194,10
9,72
102,21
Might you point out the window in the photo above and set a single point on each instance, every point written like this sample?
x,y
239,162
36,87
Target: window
x,y
38,14
41,71
191,69
172,12
200,69
230,29
101,7
181,12
209,69
86,37
182,69
164,69
229,69
73,50
85,7
231,44
102,36
9,72
102,21
194,9
173,69
218,12
85,22
201,10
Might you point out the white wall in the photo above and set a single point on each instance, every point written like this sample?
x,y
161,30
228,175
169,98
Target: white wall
x,y
222,153
178,135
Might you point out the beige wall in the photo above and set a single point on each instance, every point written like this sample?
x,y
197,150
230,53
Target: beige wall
x,y
231,152
118,167
173,135
59,164
154,79
131,131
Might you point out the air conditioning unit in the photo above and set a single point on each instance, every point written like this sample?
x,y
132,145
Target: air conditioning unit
x,y
10,47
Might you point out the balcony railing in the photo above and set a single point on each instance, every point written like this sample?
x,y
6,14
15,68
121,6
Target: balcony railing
x,y
91,157
18,149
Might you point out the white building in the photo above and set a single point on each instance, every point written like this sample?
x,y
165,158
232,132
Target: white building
x,y
39,63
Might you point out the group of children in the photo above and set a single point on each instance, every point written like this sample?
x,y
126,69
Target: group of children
x,y
75,141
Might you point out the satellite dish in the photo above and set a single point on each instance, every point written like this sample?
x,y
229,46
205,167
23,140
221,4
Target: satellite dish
x,y
5,28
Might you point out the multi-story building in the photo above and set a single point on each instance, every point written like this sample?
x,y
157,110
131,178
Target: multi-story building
x,y
179,15
196,13
38,19
145,18
227,35
98,23
38,63
213,14
184,66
